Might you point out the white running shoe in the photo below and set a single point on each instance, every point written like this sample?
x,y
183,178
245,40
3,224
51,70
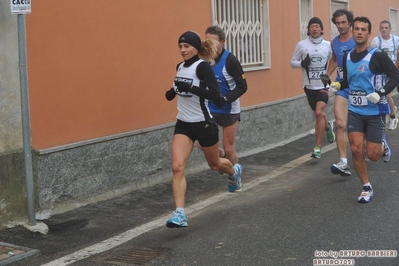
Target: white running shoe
x,y
393,123
341,168
366,195
387,150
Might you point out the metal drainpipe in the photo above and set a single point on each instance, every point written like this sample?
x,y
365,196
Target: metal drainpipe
x,y
23,79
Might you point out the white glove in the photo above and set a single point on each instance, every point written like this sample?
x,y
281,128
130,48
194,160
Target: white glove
x,y
332,89
373,97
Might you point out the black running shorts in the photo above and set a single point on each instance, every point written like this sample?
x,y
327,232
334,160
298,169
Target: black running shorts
x,y
225,120
373,126
315,96
206,132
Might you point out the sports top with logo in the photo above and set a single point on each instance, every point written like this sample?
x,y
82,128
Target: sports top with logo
x,y
389,46
340,48
364,81
228,72
319,54
191,108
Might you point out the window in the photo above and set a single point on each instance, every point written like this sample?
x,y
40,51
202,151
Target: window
x,y
393,18
334,6
246,24
306,13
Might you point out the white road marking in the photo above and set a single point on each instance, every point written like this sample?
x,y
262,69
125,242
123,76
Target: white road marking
x,y
135,232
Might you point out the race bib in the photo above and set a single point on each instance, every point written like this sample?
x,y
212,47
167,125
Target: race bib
x,y
314,72
340,73
358,98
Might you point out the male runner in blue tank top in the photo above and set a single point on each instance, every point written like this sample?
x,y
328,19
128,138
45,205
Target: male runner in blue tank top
x,y
233,85
364,70
342,43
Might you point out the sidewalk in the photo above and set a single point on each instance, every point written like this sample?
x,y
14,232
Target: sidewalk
x,y
96,222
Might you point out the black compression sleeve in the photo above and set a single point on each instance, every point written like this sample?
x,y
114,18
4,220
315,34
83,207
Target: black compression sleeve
x,y
381,63
206,74
235,70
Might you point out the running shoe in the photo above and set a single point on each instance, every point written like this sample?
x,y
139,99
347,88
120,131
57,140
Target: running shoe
x,y
316,152
366,196
330,132
341,168
387,151
236,185
177,221
393,123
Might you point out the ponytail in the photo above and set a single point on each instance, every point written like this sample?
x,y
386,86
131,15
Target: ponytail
x,y
208,50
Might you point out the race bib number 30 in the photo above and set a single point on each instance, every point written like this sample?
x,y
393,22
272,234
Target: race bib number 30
x,y
358,98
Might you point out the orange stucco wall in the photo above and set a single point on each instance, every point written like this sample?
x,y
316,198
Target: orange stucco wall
x,y
100,67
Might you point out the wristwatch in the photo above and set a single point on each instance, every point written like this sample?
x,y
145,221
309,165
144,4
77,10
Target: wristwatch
x,y
382,91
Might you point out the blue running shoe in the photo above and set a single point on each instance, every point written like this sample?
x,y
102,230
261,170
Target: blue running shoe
x,y
177,221
341,168
366,196
236,185
387,151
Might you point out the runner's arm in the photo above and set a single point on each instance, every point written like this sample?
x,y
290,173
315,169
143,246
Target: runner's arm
x,y
205,73
235,70
381,63
296,57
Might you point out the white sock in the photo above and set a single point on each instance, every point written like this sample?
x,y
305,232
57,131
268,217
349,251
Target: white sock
x,y
232,177
345,160
367,184
179,209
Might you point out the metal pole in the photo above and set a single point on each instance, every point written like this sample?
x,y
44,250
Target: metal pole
x,y
23,79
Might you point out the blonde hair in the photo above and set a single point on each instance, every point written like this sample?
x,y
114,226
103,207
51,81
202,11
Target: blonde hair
x,y
208,50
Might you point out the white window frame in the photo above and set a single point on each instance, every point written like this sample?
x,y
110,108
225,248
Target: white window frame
x,y
334,5
247,28
305,14
394,19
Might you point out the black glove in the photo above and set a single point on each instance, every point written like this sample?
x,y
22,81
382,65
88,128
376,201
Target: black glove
x,y
325,78
183,86
305,62
221,102
170,94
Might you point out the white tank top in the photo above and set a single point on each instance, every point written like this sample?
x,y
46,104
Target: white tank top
x,y
191,108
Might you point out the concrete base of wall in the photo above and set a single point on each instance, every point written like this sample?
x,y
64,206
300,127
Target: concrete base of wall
x,y
71,176
13,203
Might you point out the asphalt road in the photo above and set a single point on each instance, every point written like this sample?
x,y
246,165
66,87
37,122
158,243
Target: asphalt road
x,y
292,211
